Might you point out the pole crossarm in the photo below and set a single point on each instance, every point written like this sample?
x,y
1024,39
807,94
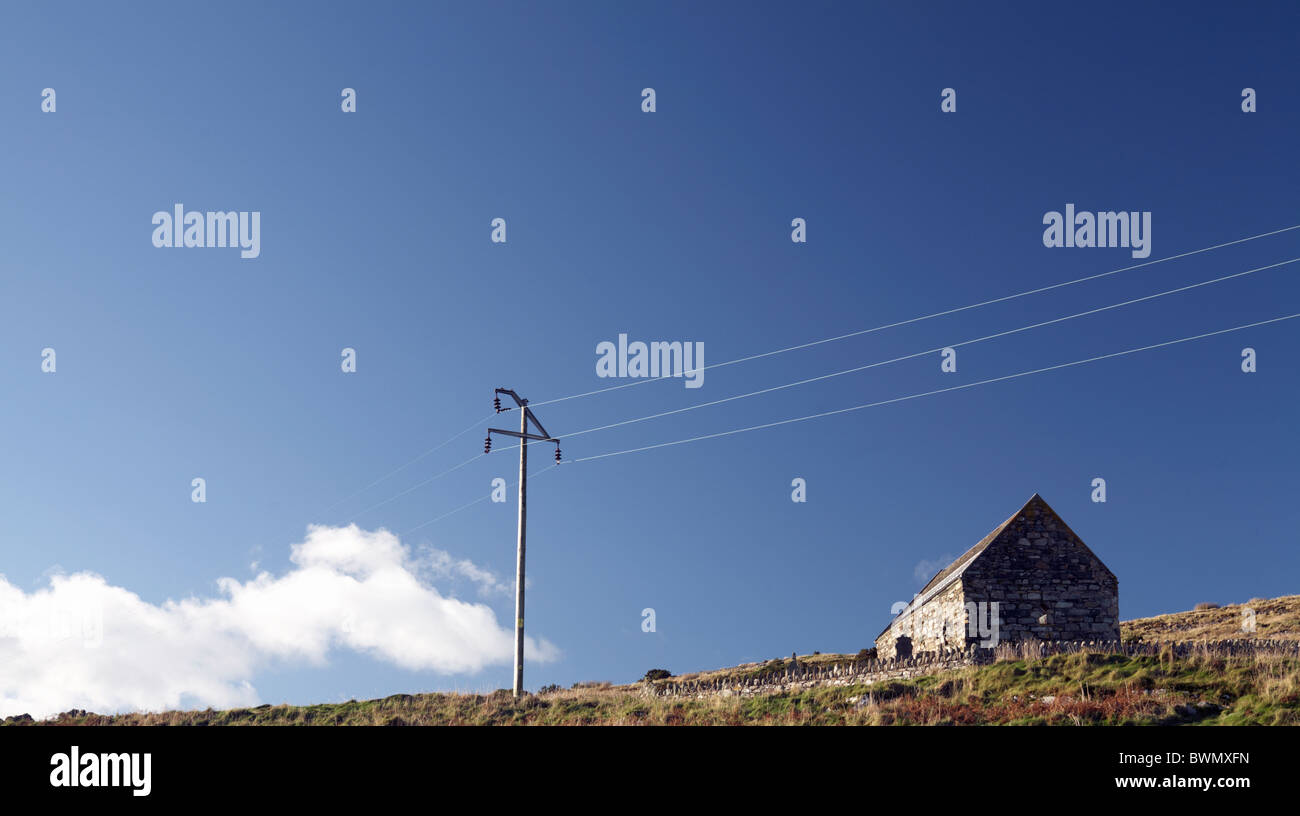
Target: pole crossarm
x,y
519,435
528,412
520,401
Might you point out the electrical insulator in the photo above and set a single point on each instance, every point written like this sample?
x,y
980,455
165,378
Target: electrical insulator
x,y
496,403
487,445
557,454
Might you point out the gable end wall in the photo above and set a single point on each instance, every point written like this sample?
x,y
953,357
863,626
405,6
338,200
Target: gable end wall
x,y
1038,567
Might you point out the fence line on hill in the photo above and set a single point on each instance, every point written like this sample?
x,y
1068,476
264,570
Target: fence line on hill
x,y
796,675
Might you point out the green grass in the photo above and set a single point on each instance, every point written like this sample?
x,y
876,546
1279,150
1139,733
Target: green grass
x,y
1081,689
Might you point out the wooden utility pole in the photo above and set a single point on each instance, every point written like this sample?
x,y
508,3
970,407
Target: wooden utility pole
x,y
525,416
520,551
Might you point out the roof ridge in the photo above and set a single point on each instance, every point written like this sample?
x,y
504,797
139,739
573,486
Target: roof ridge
x,y
954,570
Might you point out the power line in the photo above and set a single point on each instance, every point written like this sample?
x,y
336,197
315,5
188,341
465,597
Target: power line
x,y
857,369
811,344
917,319
415,486
479,422
468,505
931,393
400,468
869,405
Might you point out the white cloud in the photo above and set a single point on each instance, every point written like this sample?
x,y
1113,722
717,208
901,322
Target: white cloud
x,y
83,643
443,565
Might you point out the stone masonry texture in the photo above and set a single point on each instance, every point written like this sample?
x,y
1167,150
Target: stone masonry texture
x,y
1032,577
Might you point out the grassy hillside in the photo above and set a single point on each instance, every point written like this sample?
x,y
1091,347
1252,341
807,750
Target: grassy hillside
x,y
1276,619
1061,689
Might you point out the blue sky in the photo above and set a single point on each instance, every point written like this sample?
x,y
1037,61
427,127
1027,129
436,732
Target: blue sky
x,y
673,225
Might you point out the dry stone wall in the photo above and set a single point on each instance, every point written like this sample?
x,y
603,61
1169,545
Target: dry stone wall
x,y
799,677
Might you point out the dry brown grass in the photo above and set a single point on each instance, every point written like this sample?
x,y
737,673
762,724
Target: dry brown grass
x,y
1275,619
1023,686
1066,689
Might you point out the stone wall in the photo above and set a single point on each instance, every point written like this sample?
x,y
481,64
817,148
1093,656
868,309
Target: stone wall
x,y
1048,585
803,676
936,625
